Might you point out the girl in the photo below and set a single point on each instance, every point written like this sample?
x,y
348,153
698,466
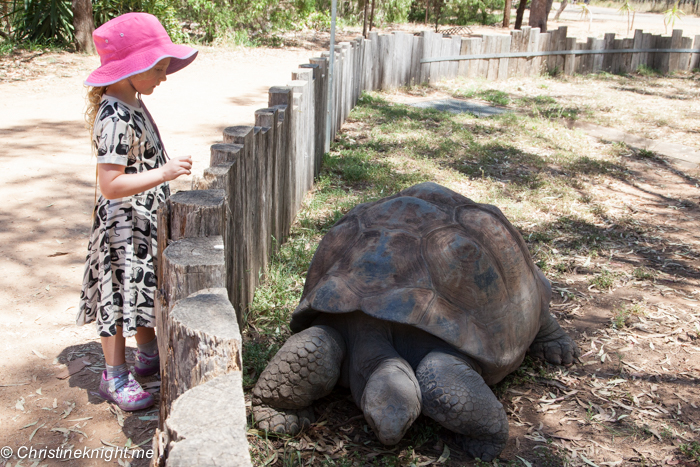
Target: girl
x,y
119,284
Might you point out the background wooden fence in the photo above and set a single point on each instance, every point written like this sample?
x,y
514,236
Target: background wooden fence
x,y
215,241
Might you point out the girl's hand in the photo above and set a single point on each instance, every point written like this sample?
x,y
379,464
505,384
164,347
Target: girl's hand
x,y
115,183
177,166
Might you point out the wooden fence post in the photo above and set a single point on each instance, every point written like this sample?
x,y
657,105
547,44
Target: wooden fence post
x,y
245,136
303,132
189,265
674,59
569,60
533,66
416,55
637,44
424,72
206,342
205,427
503,63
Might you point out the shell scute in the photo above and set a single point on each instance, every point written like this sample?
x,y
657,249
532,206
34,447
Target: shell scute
x,y
405,213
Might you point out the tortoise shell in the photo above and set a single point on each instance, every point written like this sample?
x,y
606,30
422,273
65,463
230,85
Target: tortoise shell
x,y
432,258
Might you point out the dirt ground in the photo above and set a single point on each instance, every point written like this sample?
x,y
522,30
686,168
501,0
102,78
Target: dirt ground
x,y
47,186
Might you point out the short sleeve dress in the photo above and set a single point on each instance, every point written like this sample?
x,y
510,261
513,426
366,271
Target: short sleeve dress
x,y
120,269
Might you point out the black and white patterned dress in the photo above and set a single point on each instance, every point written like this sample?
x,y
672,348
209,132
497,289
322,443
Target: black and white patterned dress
x,y
119,282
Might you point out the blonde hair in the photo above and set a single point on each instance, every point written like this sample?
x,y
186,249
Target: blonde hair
x,y
94,97
95,93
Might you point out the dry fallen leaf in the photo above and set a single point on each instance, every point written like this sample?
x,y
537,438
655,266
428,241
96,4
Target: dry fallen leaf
x,y
35,430
58,253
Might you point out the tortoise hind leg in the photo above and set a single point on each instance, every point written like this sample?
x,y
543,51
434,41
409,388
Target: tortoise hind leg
x,y
305,369
457,397
553,344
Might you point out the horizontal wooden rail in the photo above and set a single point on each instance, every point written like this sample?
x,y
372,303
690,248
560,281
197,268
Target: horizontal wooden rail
x,y
557,52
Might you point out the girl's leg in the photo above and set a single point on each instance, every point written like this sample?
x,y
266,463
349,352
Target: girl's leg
x,y
145,335
118,385
147,358
114,348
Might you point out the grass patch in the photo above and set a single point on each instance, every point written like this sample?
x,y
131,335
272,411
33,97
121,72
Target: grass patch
x,y
547,107
622,316
647,71
691,451
644,274
603,281
492,96
8,47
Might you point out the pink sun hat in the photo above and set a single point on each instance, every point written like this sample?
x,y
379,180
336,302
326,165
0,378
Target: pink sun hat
x,y
133,43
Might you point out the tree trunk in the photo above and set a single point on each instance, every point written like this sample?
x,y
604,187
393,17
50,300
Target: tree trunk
x,y
438,5
5,12
561,9
506,13
84,25
364,20
519,14
549,7
427,9
538,14
371,17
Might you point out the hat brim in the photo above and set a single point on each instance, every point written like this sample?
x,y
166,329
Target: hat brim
x,y
117,70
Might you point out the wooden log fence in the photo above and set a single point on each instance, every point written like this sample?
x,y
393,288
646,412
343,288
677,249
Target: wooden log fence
x,y
215,240
530,53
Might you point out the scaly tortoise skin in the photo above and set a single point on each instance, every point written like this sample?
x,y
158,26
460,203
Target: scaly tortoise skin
x,y
416,302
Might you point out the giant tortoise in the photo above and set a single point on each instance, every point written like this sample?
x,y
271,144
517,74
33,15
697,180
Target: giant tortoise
x,y
416,302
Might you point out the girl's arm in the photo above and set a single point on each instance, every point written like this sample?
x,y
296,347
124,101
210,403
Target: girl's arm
x,y
114,183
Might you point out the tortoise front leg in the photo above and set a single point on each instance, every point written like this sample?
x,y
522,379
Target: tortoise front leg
x,y
456,396
305,369
552,344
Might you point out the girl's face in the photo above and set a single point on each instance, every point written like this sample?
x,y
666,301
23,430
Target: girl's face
x,y
147,81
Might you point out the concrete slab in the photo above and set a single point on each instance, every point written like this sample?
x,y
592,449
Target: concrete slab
x,y
458,106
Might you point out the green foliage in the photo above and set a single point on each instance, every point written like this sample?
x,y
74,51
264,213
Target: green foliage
x,y
646,70
643,274
627,9
43,22
495,97
256,355
646,154
623,314
395,11
472,11
458,12
603,281
691,451
9,46
671,15
164,10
